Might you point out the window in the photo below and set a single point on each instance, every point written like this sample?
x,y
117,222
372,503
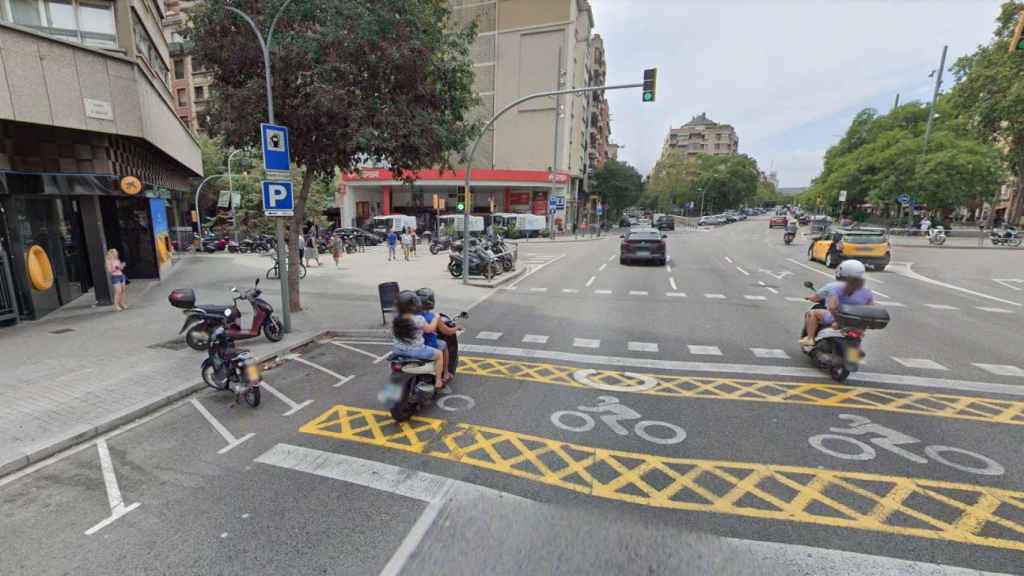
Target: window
x,y
182,97
179,69
197,65
146,50
200,93
90,22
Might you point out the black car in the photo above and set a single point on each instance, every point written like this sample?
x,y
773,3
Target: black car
x,y
359,236
665,223
643,244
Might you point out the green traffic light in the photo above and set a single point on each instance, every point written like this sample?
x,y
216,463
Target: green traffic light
x,y
461,206
648,96
1020,45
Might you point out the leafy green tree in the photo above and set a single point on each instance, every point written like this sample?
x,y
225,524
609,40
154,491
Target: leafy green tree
x,y
388,81
989,96
725,181
618,184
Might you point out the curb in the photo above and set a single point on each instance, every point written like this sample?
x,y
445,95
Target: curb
x,y
85,432
501,279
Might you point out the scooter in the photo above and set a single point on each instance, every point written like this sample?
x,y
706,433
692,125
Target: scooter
x,y
198,325
440,244
1005,237
838,350
937,236
788,237
411,386
480,264
227,368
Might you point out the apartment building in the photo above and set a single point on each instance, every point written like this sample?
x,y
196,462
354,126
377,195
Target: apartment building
x,y
701,135
524,46
190,81
600,121
92,153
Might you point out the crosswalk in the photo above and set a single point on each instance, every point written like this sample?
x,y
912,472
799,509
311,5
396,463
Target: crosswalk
x,y
643,349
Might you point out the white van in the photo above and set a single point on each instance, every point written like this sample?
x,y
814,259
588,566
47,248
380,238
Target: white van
x,y
396,222
476,223
527,224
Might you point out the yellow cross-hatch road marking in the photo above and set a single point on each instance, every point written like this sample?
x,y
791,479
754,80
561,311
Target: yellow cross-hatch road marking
x,y
933,509
828,395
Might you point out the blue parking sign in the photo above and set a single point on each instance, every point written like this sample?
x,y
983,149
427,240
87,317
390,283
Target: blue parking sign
x,y
277,198
276,153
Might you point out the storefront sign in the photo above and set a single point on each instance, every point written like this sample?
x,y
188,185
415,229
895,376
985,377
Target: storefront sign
x,y
131,185
98,109
519,198
540,203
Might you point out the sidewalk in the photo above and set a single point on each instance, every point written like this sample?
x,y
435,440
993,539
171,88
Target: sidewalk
x,y
84,370
976,243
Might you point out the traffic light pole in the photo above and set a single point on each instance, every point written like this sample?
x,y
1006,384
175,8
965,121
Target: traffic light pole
x,y
476,144
928,127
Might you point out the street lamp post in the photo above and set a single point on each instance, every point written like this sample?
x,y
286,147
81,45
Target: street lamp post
x,y
928,127
199,217
281,251
231,189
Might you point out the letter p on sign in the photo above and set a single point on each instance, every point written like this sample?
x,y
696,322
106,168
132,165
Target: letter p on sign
x,y
277,198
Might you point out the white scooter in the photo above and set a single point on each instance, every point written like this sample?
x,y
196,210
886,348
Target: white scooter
x,y
937,236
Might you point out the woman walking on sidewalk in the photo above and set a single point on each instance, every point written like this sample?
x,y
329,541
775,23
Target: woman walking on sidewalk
x,y
117,278
337,249
406,243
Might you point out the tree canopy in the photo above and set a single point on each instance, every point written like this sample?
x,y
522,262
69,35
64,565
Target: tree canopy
x,y
618,184
726,181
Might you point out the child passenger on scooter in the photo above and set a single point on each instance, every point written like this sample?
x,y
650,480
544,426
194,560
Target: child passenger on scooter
x,y
434,327
408,329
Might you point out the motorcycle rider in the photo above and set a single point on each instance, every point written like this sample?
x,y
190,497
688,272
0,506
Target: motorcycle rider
x,y
791,228
408,328
426,296
847,289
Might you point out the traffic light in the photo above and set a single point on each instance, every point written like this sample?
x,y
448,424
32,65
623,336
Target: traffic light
x,y
460,201
650,81
1017,42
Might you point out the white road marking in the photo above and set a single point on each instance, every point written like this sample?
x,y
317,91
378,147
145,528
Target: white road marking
x,y
676,294
892,304
742,271
508,287
602,267
585,343
117,507
760,282
715,296
705,350
228,436
672,283
642,347
1001,369
747,369
589,282
868,277
570,291
536,289
778,276
770,353
996,310
1009,283
772,290
729,260
535,339
752,297
292,405
602,291
921,363
909,273
796,299
638,293
341,379
612,257
941,307
668,267
532,271
877,293
488,335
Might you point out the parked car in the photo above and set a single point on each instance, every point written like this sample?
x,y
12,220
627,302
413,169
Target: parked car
x,y
665,222
643,244
706,221
778,221
869,245
359,236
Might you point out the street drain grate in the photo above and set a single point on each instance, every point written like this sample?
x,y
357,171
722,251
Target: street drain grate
x,y
176,344
62,331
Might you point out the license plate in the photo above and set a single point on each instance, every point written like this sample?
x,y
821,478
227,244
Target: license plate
x,y
852,355
643,253
252,373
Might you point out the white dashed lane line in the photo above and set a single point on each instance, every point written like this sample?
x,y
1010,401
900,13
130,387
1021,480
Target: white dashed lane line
x,y
1001,369
488,336
770,353
715,296
672,283
676,294
995,310
591,281
570,291
535,339
642,347
941,307
920,363
586,343
638,293
705,350
602,291
753,297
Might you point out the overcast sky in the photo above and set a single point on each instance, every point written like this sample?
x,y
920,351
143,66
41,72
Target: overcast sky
x,y
788,74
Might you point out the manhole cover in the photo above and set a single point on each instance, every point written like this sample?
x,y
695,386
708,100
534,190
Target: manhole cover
x,y
176,344
62,331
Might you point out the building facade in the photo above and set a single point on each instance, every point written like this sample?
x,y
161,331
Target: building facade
x,y
702,135
92,153
600,120
534,152
191,83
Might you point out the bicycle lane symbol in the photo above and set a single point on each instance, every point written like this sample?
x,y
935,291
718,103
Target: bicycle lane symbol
x,y
892,440
613,413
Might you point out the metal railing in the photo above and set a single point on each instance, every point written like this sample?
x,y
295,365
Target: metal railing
x,y
8,299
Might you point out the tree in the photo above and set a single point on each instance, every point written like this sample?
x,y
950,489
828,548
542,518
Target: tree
x,y
618,184
989,97
387,81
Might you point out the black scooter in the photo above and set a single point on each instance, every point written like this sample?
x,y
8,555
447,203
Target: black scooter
x,y
440,244
838,351
480,263
228,368
411,386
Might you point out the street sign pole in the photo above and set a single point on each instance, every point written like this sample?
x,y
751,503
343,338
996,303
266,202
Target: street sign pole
x,y
281,252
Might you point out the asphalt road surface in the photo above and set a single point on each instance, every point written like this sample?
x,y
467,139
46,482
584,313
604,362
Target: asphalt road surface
x,y
606,419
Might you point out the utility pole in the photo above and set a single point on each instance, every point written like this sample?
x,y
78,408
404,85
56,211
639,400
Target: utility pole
x,y
896,104
928,127
554,161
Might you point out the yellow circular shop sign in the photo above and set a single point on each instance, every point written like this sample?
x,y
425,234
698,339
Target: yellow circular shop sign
x,y
40,273
131,185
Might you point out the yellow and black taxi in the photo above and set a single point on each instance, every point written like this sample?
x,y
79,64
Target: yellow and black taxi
x,y
869,245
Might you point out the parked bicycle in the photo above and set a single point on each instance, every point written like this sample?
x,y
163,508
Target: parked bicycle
x,y
275,271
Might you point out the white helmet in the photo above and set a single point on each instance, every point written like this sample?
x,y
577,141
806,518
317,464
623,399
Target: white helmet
x,y
849,269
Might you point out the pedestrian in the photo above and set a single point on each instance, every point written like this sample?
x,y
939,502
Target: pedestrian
x,y
337,249
115,266
312,239
392,242
302,247
406,243
925,225
415,240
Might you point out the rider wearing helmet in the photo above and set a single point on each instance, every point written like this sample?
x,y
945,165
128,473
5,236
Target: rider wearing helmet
x,y
434,327
847,289
408,328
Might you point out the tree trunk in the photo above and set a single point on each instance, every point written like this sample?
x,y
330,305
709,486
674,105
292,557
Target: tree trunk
x,y
294,296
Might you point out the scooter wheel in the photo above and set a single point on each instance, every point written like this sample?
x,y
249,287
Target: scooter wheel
x,y
434,249
252,396
401,410
197,338
508,265
273,329
210,376
839,373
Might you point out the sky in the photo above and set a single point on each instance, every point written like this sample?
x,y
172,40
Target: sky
x,y
789,75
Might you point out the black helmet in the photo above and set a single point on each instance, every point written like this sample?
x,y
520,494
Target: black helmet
x,y
407,302
426,296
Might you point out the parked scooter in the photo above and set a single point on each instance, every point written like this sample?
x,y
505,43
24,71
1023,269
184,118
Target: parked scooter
x,y
838,351
937,236
227,368
440,244
1005,237
411,386
481,263
198,325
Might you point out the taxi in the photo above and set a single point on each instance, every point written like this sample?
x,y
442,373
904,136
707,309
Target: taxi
x,y
869,245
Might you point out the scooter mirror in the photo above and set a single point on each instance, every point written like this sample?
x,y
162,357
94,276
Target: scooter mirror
x,y
257,281
463,314
234,289
808,284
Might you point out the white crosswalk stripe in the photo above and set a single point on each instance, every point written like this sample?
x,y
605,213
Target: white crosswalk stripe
x,y
676,294
996,310
752,297
715,296
1001,369
795,299
941,307
638,293
585,343
770,353
705,350
570,291
535,289
920,363
535,339
602,291
488,335
642,347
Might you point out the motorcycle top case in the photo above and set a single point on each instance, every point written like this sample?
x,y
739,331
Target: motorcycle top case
x,y
182,298
863,317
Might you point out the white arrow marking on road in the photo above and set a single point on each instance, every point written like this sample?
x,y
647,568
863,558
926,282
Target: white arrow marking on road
x,y
1009,283
294,406
117,507
232,441
778,276
909,273
646,382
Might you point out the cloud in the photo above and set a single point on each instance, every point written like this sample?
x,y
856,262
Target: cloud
x,y
788,75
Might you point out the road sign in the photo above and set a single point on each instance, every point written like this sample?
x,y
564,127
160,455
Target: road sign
x,y
236,200
600,210
276,154
903,199
277,198
224,200
842,195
